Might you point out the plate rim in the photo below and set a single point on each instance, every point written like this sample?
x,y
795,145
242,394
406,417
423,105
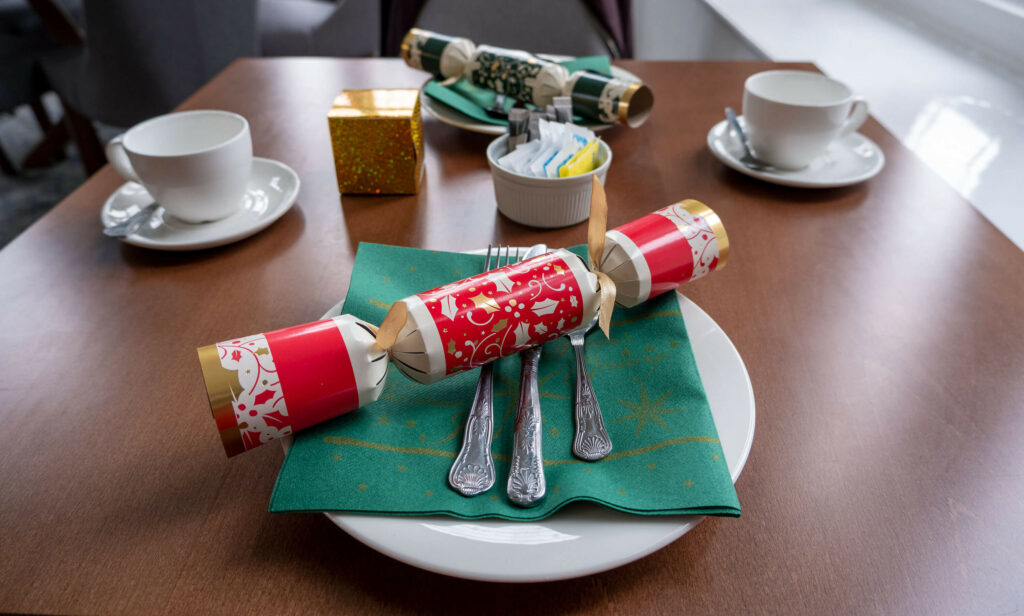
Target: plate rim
x,y
685,523
725,157
286,202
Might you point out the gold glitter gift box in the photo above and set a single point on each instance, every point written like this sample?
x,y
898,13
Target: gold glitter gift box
x,y
377,137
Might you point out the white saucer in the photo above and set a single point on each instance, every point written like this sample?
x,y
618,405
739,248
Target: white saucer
x,y
270,193
849,160
582,539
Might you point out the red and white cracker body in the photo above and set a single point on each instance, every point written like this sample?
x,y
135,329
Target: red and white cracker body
x,y
471,322
658,252
266,386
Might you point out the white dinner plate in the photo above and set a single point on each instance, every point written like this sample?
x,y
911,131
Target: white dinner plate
x,y
270,193
454,117
848,160
583,538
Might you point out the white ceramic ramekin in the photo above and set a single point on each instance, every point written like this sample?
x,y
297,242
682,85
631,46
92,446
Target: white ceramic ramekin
x,y
544,202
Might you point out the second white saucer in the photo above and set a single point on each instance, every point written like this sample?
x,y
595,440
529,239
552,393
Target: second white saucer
x,y
849,160
270,193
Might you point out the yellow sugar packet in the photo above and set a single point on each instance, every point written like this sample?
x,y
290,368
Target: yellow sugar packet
x,y
581,163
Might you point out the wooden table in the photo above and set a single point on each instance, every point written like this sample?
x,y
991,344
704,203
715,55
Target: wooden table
x,y
882,325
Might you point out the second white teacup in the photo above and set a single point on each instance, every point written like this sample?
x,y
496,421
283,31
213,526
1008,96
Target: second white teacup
x,y
792,116
195,164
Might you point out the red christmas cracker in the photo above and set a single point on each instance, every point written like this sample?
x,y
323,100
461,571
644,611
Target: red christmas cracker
x,y
474,321
266,386
658,252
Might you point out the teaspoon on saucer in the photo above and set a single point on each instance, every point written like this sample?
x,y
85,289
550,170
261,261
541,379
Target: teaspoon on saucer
x,y
748,157
131,224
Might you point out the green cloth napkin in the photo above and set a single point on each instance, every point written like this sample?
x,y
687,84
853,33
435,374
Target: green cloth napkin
x,y
472,100
393,456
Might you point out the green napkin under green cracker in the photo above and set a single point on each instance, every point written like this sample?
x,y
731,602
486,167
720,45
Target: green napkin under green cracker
x,y
472,100
393,456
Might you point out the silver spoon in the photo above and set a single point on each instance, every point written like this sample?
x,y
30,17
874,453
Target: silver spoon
x,y
748,159
591,441
132,223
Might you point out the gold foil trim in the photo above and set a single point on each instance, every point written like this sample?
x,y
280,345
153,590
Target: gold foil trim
x,y
221,385
407,43
624,101
699,209
608,291
597,225
635,104
393,323
400,103
596,230
416,130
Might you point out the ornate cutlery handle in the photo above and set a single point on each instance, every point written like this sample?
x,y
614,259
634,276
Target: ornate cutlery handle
x,y
592,441
526,478
473,470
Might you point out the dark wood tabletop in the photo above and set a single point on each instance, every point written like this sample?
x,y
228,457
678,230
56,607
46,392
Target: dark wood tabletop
x,y
882,326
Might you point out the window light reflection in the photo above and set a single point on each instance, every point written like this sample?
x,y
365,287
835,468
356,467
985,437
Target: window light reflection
x,y
952,143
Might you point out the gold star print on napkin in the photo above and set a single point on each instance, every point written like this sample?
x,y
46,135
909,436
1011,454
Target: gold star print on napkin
x,y
393,456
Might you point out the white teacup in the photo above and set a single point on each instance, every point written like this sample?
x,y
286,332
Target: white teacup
x,y
792,116
194,163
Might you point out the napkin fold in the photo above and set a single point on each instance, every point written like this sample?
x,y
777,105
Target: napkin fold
x,y
472,100
393,456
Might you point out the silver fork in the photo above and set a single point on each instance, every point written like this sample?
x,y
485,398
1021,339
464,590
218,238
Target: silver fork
x,y
473,469
526,484
591,441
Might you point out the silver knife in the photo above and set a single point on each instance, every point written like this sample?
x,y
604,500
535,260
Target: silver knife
x,y
526,486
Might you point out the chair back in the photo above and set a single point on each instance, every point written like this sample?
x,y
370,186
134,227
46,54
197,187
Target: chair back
x,y
540,26
144,57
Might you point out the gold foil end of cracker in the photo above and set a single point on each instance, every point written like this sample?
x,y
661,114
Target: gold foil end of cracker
x,y
407,43
699,209
635,104
221,388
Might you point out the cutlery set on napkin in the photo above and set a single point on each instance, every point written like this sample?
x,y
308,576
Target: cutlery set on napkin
x,y
473,470
393,457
